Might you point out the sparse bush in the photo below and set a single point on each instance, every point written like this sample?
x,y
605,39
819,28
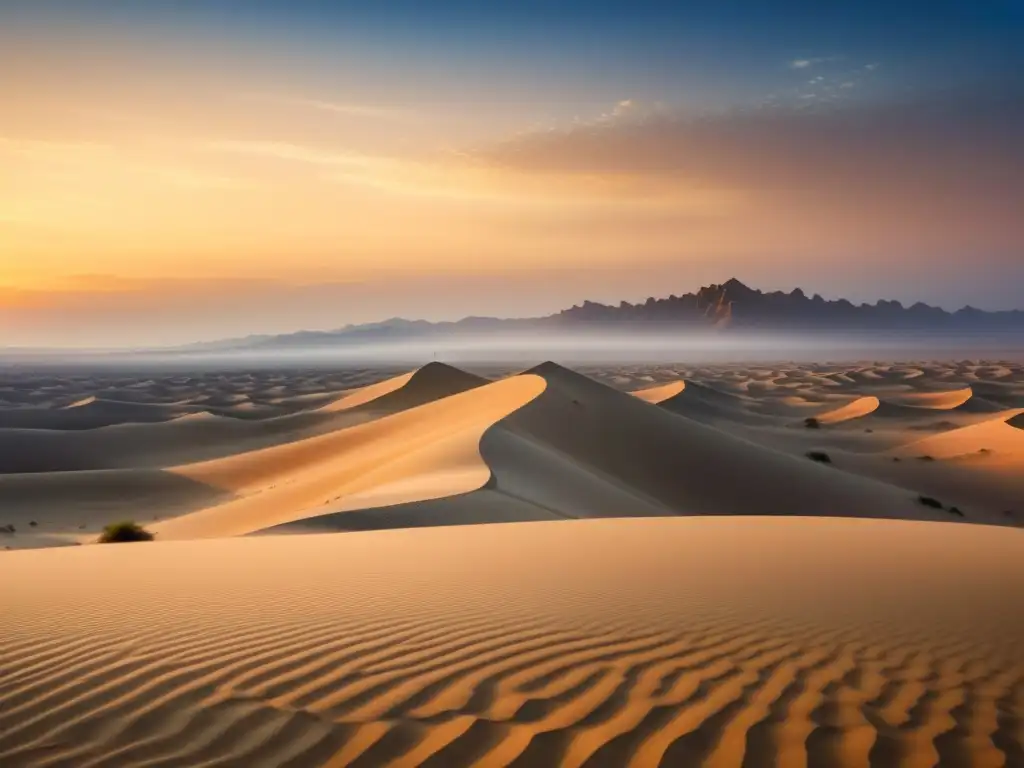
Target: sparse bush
x,y
956,511
33,524
928,501
896,458
819,456
926,458
812,423
116,533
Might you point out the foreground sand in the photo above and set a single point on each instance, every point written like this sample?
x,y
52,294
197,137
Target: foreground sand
x,y
688,641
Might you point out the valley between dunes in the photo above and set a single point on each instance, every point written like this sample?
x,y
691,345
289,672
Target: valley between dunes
x,y
794,565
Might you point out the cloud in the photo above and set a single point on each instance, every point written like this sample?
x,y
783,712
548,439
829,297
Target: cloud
x,y
344,109
300,153
812,62
926,170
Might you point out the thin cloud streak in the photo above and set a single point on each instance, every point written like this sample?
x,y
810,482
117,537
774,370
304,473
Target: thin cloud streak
x,y
346,109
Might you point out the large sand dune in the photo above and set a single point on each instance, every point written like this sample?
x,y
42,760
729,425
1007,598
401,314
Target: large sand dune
x,y
683,642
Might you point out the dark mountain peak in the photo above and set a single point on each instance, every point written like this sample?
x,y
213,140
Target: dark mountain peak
x,y
730,305
732,284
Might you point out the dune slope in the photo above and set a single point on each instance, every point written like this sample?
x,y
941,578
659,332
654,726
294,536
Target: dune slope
x,y
202,435
679,642
421,453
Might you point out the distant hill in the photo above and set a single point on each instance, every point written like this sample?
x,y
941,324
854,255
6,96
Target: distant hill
x,y
729,305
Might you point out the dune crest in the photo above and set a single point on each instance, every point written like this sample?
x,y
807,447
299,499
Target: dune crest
x,y
859,408
659,393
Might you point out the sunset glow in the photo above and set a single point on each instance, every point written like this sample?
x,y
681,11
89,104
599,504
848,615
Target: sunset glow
x,y
148,160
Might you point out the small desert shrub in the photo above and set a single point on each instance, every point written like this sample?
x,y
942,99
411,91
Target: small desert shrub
x,y
926,458
956,511
819,456
928,501
812,423
125,531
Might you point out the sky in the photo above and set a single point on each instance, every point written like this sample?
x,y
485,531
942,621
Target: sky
x,y
174,172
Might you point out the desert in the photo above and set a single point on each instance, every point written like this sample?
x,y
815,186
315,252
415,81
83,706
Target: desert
x,y
724,565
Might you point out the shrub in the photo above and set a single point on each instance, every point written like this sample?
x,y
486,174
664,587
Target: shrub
x,y
819,456
956,511
812,423
124,531
928,501
926,458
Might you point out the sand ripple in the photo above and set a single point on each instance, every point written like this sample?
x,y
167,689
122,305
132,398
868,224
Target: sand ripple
x,y
699,641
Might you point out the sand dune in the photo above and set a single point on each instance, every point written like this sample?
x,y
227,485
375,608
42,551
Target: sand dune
x,y
203,435
660,393
942,401
859,408
700,641
422,453
996,437
580,449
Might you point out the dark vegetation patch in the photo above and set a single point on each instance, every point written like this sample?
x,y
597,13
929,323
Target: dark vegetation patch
x,y
812,423
125,531
819,456
926,458
928,501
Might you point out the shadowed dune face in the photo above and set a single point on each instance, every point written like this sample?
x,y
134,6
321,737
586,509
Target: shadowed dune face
x,y
699,641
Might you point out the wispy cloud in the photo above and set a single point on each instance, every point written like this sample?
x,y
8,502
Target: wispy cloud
x,y
301,153
811,62
338,108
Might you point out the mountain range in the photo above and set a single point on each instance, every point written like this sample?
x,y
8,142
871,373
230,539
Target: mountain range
x,y
713,308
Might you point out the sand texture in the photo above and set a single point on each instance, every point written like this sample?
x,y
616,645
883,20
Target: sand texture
x,y
685,641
